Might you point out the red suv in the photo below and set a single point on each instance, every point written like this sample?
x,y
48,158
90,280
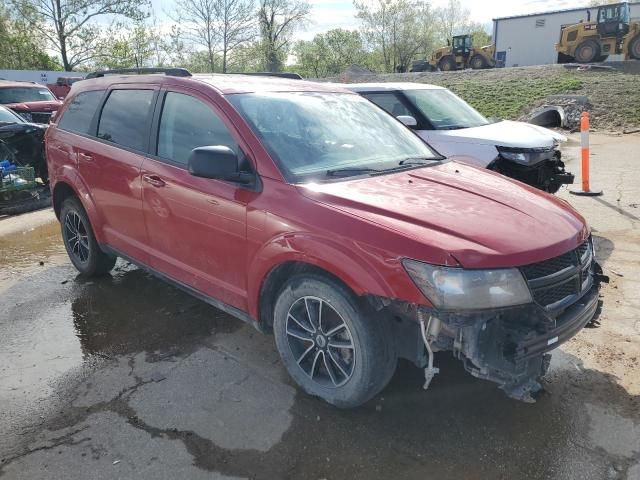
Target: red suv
x,y
33,102
309,212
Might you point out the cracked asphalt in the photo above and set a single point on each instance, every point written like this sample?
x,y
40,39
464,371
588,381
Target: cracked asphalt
x,y
126,377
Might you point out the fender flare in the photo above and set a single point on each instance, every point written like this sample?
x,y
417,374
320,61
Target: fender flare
x,y
70,176
351,267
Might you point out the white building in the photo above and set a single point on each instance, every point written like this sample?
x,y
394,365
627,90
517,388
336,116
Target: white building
x,y
38,76
530,39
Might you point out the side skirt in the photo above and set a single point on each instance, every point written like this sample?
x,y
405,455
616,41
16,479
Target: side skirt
x,y
233,311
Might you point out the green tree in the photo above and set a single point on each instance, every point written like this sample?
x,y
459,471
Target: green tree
x,y
75,28
394,28
133,47
278,19
330,53
19,48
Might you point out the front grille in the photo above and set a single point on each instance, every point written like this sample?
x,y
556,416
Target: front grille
x,y
556,293
40,117
549,267
558,282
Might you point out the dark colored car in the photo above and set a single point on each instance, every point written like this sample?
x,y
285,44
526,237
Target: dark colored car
x,y
22,142
309,212
33,102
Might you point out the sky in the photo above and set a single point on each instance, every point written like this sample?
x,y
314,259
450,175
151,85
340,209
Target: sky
x,y
328,14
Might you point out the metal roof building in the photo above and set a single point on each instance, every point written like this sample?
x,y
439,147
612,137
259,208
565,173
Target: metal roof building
x,y
530,39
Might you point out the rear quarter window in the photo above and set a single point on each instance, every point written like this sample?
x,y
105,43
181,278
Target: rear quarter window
x,y
124,118
78,115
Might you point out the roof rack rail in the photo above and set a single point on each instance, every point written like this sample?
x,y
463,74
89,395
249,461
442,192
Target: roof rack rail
x,y
173,72
291,75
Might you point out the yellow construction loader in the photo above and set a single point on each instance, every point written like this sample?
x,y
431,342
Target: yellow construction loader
x,y
458,55
611,33
462,54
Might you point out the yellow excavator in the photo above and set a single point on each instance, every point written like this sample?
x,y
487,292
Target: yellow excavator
x,y
458,55
593,41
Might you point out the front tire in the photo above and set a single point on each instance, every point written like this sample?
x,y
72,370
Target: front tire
x,y
333,347
80,241
634,48
478,62
587,52
447,64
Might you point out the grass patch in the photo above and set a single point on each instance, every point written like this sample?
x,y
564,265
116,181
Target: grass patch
x,y
508,97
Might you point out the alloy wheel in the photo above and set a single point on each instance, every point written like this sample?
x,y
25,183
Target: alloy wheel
x,y
320,341
76,236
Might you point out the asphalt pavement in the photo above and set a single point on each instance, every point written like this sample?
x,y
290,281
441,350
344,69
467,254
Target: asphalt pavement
x,y
126,377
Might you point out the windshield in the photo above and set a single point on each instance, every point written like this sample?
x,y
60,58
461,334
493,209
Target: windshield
x,y
312,135
445,110
25,94
7,116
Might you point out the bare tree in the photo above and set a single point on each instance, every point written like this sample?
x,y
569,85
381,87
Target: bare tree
x,y
70,27
453,18
237,25
197,20
278,20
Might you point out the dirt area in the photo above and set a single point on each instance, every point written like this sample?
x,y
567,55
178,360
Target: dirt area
x,y
126,377
510,93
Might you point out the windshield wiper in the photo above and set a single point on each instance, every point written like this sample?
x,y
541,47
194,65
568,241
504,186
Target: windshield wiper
x,y
345,172
417,161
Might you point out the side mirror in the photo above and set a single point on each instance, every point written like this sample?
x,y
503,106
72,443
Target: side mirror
x,y
218,162
408,120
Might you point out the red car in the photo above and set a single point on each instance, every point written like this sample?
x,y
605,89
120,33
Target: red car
x,y
62,87
309,212
33,102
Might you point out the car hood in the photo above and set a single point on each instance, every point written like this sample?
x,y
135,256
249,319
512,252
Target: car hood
x,y
480,218
506,134
47,106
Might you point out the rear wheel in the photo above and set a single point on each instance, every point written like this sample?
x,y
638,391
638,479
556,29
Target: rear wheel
x,y
332,346
634,48
587,52
478,62
447,64
80,242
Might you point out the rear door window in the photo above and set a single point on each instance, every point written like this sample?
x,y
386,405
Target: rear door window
x,y
124,118
389,102
78,115
187,123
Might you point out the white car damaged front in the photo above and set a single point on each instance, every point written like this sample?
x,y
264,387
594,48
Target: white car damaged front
x,y
519,150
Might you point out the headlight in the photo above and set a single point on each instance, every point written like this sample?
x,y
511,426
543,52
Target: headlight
x,y
458,288
525,156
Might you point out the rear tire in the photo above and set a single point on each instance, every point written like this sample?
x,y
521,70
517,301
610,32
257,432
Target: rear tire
x,y
80,241
447,64
478,62
587,52
634,48
333,346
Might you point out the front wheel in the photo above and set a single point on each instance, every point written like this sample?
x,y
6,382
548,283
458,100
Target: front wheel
x,y
634,48
80,242
332,346
447,64
478,62
587,52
